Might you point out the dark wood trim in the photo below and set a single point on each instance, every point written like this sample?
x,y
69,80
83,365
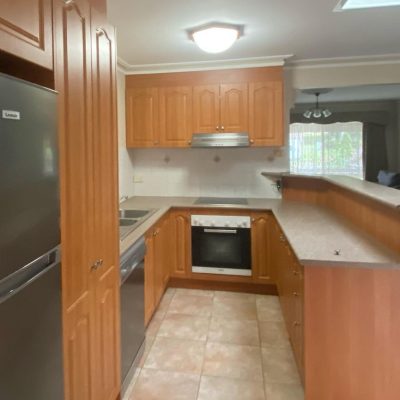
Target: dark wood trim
x,y
242,287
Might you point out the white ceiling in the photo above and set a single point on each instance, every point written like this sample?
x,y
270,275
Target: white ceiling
x,y
154,31
354,93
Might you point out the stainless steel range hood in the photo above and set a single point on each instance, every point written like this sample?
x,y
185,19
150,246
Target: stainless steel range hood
x,y
220,140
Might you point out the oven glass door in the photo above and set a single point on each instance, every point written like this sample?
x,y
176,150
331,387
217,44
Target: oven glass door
x,y
228,248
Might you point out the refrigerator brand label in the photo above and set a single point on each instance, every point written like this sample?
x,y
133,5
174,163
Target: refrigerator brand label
x,y
8,114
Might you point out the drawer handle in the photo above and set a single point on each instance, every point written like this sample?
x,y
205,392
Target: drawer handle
x,y
295,294
296,323
295,273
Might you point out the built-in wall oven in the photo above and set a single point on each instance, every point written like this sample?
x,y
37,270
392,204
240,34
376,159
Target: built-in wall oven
x,y
221,244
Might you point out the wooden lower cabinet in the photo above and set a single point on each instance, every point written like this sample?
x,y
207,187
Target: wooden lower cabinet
x,y
157,265
290,283
180,244
262,267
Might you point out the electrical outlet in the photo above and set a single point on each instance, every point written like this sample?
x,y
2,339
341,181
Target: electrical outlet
x,y
137,179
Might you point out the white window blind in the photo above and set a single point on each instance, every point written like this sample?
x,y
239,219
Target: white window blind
x,y
335,149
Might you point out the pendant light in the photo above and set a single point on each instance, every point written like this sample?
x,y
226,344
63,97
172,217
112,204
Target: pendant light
x,y
317,112
216,37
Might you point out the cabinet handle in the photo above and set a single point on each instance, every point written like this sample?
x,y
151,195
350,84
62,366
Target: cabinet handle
x,y
67,2
217,128
296,323
251,141
222,128
253,220
295,273
97,264
189,142
156,232
282,238
295,294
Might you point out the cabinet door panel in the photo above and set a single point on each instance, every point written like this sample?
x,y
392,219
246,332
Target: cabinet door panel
x,y
142,117
266,114
108,336
175,116
149,279
206,109
26,30
78,350
234,107
105,209
261,249
180,244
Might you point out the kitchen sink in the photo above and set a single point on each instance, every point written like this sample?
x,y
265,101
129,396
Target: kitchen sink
x,y
129,220
133,213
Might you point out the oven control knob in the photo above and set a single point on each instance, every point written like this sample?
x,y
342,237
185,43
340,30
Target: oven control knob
x,y
227,224
244,224
212,223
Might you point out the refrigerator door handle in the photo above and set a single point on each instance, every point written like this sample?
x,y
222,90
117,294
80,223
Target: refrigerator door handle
x,y
15,282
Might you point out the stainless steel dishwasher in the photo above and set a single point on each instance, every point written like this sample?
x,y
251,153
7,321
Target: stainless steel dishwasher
x,y
132,309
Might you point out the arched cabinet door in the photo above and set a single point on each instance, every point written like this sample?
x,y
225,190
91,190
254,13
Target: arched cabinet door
x,y
73,82
234,107
105,210
206,109
26,30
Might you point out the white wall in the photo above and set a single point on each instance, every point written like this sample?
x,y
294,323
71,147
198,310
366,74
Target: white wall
x,y
125,162
205,172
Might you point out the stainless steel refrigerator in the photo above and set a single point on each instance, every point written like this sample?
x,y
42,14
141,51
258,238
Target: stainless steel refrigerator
x,y
30,283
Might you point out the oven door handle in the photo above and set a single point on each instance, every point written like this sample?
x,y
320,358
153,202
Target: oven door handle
x,y
232,231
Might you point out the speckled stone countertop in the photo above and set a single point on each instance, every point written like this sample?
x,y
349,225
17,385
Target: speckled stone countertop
x,y
385,195
314,233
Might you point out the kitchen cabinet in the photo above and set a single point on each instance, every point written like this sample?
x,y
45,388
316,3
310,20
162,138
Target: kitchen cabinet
x,y
164,110
85,80
175,116
262,266
26,30
220,108
266,113
157,265
180,239
290,282
142,117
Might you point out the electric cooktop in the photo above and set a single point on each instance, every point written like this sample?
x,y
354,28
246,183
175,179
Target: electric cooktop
x,y
221,201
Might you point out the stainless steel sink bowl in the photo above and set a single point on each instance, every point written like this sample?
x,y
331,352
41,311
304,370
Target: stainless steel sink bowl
x,y
133,213
129,220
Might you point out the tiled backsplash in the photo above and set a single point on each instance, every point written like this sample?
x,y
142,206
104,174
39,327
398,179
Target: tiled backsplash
x,y
200,172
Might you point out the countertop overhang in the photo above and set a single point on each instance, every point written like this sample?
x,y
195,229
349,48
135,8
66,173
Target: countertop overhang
x,y
315,234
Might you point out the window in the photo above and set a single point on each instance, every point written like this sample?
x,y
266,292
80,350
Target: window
x,y
327,149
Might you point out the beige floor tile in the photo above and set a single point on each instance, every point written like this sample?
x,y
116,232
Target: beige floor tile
x,y
176,355
154,324
148,343
231,308
235,295
217,388
161,385
195,292
182,326
279,365
129,389
273,334
269,309
234,331
284,391
233,361
191,305
165,302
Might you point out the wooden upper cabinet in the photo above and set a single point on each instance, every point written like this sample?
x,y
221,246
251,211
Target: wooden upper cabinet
x,y
206,109
266,113
234,108
26,30
175,116
142,117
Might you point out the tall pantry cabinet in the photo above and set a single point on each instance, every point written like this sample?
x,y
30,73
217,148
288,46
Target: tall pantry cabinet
x,y
85,78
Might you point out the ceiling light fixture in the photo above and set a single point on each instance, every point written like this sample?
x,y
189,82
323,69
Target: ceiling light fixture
x,y
317,112
216,37
359,4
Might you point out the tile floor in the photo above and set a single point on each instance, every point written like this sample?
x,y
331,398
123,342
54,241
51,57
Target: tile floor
x,y
206,345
